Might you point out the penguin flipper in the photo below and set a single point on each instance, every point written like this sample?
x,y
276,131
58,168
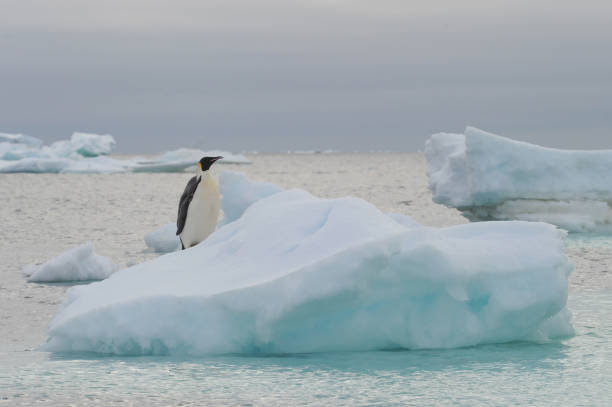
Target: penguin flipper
x,y
186,198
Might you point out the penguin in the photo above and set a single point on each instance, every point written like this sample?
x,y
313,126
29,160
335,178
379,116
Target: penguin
x,y
199,206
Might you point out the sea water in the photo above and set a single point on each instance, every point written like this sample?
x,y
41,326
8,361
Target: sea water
x,y
45,214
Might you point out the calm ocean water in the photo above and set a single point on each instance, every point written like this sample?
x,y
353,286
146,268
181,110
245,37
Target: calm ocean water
x,y
43,215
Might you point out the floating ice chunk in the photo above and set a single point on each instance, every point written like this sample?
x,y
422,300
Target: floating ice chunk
x,y
82,154
98,165
238,193
20,139
77,264
572,215
95,165
492,177
80,145
183,158
79,154
297,273
16,151
164,239
34,165
83,145
179,160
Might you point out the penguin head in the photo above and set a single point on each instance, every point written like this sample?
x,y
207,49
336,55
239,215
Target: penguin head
x,y
206,162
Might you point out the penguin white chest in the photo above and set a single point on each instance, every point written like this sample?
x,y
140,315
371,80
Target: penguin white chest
x,y
203,213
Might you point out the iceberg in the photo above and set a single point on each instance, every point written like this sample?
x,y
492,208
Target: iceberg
x,y
83,145
296,273
77,264
489,177
183,158
88,153
20,139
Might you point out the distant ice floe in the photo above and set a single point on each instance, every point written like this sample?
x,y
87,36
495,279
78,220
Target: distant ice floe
x,y
489,177
77,264
20,139
179,160
297,273
88,153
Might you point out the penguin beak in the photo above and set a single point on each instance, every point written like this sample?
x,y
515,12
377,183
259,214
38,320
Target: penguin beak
x,y
216,158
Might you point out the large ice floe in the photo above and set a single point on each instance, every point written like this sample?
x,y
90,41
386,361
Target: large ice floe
x,y
488,177
88,153
78,264
297,273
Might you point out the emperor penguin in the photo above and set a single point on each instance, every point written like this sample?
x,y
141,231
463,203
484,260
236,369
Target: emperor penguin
x,y
199,206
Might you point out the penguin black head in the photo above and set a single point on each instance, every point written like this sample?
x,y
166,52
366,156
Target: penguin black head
x,y
206,162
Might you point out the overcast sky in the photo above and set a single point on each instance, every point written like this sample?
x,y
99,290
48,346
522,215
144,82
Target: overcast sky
x,y
275,75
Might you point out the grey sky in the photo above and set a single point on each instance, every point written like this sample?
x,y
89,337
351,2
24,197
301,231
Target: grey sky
x,y
276,75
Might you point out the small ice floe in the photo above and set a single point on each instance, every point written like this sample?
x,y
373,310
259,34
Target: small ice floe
x,y
164,239
20,139
297,273
82,153
183,158
77,264
488,177
87,153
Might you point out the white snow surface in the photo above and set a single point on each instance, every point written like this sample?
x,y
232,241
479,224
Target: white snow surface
x,y
87,153
296,273
491,177
77,264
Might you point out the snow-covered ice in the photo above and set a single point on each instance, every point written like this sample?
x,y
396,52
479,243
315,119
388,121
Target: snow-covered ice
x,y
83,145
84,152
491,177
88,153
296,273
78,264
